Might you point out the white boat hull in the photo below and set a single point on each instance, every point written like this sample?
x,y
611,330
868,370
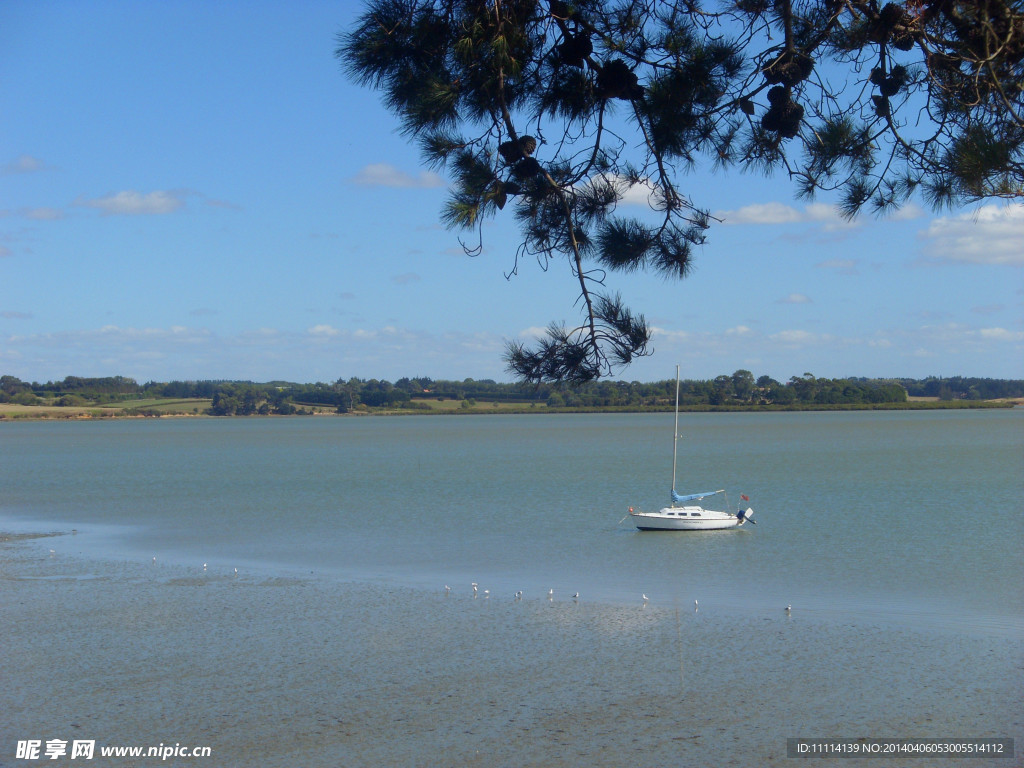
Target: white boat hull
x,y
685,519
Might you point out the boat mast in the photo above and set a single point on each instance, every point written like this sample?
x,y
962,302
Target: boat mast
x,y
675,434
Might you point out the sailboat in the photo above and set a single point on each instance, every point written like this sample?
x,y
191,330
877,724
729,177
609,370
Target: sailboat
x,y
681,514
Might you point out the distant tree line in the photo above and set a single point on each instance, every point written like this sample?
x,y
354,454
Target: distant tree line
x,y
960,388
228,398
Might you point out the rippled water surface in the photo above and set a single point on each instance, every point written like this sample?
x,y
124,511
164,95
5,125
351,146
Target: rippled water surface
x,y
904,514
896,537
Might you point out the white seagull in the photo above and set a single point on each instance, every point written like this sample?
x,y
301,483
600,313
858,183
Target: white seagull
x,y
644,597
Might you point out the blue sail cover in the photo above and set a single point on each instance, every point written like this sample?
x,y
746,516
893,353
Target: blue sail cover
x,y
692,496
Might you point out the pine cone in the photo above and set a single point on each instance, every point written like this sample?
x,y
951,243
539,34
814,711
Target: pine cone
x,y
510,152
890,87
903,39
778,95
574,50
771,120
789,121
790,68
889,18
526,169
616,80
783,117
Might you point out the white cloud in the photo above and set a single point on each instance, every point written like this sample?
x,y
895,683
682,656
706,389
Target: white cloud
x,y
385,175
761,213
324,352
994,234
23,164
132,203
955,339
671,336
319,353
640,194
801,338
107,334
43,214
827,216
795,298
908,351
533,332
1001,334
907,212
645,193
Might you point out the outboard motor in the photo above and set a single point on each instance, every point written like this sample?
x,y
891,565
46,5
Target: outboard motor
x,y
746,514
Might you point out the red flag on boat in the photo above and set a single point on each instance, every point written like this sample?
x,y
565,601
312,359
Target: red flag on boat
x,y
744,497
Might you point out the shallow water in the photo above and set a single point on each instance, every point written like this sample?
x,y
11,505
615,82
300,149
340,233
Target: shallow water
x,y
904,516
896,537
283,671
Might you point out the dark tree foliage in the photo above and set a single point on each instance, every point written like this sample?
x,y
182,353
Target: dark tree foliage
x,y
559,109
964,388
245,398
107,385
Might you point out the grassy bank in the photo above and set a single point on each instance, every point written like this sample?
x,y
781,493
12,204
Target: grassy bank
x,y
154,407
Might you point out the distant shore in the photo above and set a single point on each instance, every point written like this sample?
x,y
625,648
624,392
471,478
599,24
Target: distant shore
x,y
178,408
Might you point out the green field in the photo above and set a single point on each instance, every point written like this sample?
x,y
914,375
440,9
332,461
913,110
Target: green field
x,y
151,406
451,405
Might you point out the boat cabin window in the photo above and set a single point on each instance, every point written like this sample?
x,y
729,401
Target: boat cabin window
x,y
695,514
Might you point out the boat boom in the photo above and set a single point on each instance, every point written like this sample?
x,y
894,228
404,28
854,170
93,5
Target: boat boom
x,y
694,496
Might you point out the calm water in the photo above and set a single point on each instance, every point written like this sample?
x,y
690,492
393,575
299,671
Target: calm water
x,y
910,516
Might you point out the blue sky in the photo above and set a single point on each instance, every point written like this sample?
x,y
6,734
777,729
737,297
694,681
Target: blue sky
x,y
194,190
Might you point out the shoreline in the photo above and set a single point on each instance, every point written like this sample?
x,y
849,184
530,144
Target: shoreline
x,y
282,670
12,414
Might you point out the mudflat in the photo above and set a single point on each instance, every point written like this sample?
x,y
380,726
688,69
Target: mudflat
x,y
271,669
